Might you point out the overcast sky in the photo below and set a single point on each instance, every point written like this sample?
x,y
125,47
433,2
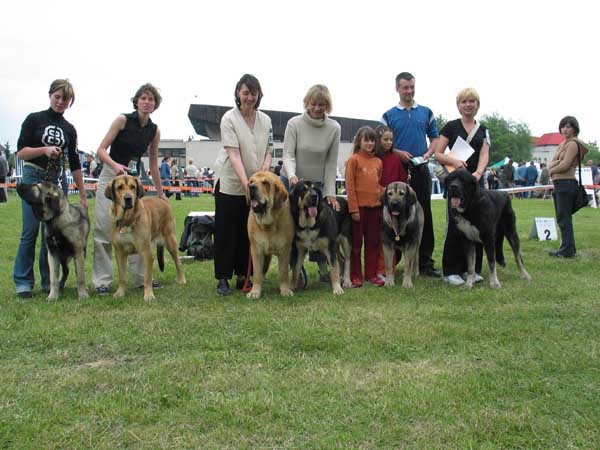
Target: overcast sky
x,y
533,62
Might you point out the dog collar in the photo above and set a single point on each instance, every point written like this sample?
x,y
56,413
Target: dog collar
x,y
122,227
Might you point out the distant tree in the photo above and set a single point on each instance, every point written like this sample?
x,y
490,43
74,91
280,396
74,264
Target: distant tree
x,y
508,138
440,121
593,152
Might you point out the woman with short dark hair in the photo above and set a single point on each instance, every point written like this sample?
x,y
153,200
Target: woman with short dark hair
x,y
247,137
129,137
562,170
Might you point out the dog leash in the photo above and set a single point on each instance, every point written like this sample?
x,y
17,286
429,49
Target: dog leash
x,y
247,287
54,166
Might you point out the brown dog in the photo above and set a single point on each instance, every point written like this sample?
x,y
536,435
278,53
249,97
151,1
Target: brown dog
x,y
270,229
137,223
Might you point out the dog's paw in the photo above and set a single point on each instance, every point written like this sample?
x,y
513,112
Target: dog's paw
x,y
407,284
467,286
525,276
148,297
347,284
389,282
181,279
120,293
337,290
83,294
495,284
286,292
253,294
52,297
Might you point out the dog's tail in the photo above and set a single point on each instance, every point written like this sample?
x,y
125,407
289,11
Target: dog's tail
x,y
160,256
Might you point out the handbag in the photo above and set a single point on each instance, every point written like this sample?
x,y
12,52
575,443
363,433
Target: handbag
x,y
441,171
581,197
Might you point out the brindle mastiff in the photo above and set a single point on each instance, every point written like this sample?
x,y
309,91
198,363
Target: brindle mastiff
x,y
402,229
66,231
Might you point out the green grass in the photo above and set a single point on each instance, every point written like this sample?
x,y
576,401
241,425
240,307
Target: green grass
x,y
429,368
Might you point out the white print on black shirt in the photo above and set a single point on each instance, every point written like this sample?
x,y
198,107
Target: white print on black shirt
x,y
53,136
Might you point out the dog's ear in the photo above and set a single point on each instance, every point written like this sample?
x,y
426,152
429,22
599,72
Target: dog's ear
x,y
55,205
280,195
412,195
139,188
28,192
317,185
384,196
109,191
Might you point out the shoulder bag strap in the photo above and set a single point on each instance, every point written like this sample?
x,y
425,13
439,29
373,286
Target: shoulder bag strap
x,y
579,161
473,132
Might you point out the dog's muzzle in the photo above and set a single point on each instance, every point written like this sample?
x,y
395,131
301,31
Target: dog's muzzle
x,y
127,202
255,204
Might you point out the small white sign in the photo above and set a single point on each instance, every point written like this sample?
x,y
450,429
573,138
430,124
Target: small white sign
x,y
544,228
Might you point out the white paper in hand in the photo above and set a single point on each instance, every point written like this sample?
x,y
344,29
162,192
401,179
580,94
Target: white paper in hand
x,y
461,149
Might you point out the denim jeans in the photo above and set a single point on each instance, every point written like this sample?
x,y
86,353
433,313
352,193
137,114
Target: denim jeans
x,y
23,272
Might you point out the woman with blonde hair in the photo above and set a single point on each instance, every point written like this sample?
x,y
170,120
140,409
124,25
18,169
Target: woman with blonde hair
x,y
310,151
454,260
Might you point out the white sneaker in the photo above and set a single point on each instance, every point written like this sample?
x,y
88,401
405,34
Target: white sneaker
x,y
454,280
478,277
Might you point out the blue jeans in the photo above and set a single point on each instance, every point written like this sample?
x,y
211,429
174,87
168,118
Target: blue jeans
x,y
23,272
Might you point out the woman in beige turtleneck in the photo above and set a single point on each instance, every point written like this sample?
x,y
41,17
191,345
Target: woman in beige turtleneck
x,y
562,169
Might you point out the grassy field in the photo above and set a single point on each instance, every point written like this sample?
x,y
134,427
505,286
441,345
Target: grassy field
x,y
429,368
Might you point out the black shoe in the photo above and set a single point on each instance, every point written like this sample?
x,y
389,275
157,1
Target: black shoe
x,y
324,278
24,294
239,284
557,254
102,290
155,285
223,287
430,272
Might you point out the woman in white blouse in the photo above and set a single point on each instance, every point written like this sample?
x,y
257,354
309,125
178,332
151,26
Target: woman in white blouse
x,y
247,138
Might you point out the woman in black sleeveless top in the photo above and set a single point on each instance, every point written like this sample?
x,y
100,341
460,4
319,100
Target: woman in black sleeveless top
x,y
129,137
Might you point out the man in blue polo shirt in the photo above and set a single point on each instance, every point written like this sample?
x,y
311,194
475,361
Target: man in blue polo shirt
x,y
411,124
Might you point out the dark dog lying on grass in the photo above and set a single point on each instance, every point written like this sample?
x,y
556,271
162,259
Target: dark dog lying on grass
x,y
66,232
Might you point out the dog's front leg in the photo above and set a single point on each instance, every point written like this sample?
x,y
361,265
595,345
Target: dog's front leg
x,y
334,268
53,265
283,260
257,269
470,265
298,267
343,259
411,265
121,258
388,256
80,270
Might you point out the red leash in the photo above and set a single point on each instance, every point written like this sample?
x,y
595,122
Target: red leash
x,y
247,287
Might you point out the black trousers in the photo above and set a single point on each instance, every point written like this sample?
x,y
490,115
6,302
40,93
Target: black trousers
x,y
232,246
420,181
564,197
2,191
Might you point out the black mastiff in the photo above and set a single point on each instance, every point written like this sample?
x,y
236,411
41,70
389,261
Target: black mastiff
x,y
401,229
320,228
486,217
66,232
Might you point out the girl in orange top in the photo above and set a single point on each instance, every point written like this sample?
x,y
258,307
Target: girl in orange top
x,y
363,172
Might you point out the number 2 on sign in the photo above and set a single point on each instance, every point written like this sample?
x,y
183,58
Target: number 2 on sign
x,y
547,233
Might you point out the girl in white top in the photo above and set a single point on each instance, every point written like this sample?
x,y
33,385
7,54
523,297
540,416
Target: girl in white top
x,y
247,137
